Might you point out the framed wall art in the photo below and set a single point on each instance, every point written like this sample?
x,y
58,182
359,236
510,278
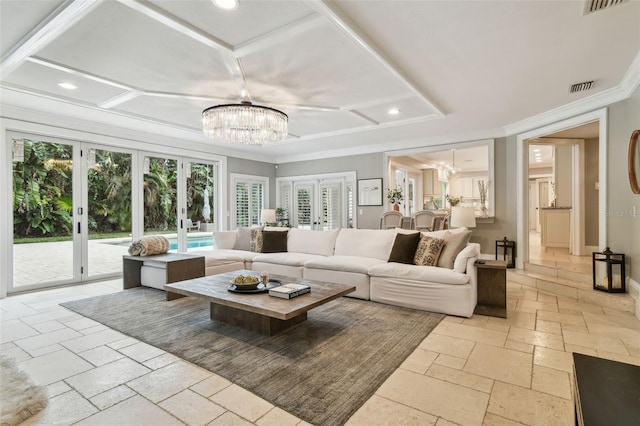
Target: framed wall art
x,y
370,192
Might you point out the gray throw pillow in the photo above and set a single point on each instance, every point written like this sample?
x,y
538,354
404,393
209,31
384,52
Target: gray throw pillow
x,y
243,240
453,244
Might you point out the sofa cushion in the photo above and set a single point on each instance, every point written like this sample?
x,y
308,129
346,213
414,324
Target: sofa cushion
x,y
471,250
312,242
453,244
274,241
223,254
289,259
404,248
355,264
428,251
371,243
225,239
256,239
427,274
243,240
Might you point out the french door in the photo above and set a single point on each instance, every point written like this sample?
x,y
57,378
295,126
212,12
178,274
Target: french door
x,y
72,215
319,204
77,206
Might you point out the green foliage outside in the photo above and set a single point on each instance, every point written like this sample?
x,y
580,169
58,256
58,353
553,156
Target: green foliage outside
x,y
43,187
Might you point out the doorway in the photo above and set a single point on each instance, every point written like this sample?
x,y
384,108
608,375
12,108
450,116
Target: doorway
x,y
582,195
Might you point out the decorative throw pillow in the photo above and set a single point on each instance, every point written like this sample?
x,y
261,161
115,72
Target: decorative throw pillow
x,y
428,251
256,239
243,240
274,241
404,248
149,245
453,244
225,239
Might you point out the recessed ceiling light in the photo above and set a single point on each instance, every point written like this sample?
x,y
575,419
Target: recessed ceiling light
x,y
536,150
394,111
226,4
68,86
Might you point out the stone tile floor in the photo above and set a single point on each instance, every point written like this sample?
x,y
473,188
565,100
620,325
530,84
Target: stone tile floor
x,y
475,371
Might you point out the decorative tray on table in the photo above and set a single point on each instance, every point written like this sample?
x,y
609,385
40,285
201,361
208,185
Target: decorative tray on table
x,y
260,289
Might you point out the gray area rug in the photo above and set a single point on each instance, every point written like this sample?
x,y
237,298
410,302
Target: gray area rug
x,y
20,398
322,370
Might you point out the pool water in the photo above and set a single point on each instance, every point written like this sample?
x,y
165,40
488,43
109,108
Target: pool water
x,y
192,242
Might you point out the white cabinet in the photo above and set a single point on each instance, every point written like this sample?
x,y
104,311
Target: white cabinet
x,y
430,182
555,227
461,187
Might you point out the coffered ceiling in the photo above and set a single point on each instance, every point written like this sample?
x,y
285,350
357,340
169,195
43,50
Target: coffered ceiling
x,y
454,70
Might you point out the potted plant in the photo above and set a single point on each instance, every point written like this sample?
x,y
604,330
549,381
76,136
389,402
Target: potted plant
x,y
453,201
395,197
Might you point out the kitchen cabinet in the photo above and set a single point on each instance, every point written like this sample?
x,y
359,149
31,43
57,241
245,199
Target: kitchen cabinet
x,y
430,182
461,187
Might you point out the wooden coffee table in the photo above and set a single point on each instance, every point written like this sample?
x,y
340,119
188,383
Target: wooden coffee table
x,y
257,312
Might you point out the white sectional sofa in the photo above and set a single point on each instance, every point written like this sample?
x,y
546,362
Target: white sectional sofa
x,y
358,257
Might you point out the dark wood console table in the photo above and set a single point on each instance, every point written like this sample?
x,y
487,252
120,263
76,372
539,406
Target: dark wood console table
x,y
492,288
607,392
179,267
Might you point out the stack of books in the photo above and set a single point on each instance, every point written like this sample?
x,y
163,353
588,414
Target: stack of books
x,y
289,291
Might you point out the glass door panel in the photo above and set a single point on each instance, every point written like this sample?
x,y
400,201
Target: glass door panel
x,y
109,201
160,198
331,202
200,222
304,206
43,206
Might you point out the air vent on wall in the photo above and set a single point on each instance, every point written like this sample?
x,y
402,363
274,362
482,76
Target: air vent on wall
x,y
581,87
591,6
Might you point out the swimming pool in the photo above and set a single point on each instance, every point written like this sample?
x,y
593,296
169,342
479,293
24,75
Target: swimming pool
x,y
192,242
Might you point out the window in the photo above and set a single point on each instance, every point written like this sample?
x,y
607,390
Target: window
x,y
249,197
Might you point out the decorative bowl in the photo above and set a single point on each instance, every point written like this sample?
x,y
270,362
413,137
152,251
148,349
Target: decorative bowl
x,y
246,286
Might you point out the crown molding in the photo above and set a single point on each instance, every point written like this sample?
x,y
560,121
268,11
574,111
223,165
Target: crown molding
x,y
622,91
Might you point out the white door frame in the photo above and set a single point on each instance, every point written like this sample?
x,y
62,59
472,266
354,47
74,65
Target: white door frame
x,y
522,163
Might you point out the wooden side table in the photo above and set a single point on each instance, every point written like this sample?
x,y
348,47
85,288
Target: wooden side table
x,y
179,267
492,288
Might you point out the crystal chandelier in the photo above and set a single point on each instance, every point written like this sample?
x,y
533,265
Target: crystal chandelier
x,y
244,123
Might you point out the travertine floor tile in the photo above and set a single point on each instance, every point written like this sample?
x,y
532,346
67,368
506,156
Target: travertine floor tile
x,y
517,319
494,420
537,338
552,358
57,388
620,358
192,408
229,419
160,361
242,402
605,343
466,332
539,306
551,381
46,339
101,355
211,385
112,396
64,409
82,323
450,361
48,326
500,364
580,350
381,411
419,360
123,343
11,350
103,378
166,381
548,327
530,407
54,367
447,345
519,346
133,408
278,417
141,352
94,340
444,422
461,378
436,397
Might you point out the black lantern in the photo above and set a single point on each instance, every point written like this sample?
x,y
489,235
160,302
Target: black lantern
x,y
507,251
608,271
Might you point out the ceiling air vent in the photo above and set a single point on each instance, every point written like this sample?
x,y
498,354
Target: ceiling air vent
x,y
581,87
591,6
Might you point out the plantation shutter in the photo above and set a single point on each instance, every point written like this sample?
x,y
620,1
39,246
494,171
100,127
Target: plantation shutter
x,y
303,207
349,205
257,202
331,207
242,204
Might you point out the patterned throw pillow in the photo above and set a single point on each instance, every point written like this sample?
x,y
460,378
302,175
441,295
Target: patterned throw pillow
x,y
428,251
256,240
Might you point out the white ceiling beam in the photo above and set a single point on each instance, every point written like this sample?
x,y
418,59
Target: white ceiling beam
x,y
119,99
73,71
376,102
279,35
53,26
178,24
331,12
